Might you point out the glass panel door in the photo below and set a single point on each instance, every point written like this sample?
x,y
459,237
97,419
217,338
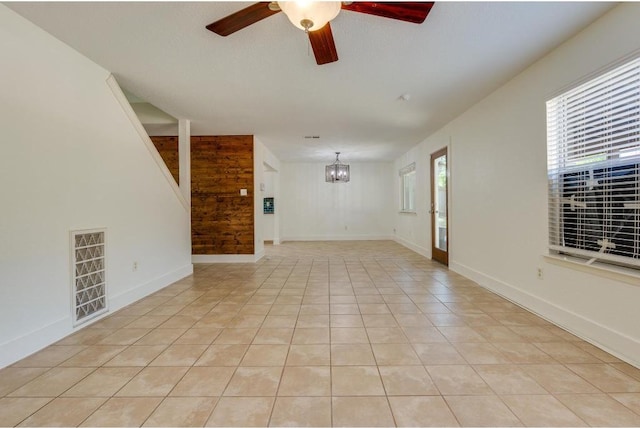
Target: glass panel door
x,y
439,205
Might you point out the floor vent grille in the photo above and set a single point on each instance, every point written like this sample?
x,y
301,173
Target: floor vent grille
x,y
89,274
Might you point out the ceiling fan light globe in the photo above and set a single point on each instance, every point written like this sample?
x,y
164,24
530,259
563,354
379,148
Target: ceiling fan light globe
x,y
300,13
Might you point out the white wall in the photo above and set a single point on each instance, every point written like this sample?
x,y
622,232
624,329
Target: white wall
x,y
268,220
71,159
312,209
498,208
261,156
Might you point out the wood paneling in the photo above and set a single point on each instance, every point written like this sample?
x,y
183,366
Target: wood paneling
x,y
168,149
222,221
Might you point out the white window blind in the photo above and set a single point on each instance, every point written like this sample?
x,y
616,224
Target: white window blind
x,y
593,157
408,188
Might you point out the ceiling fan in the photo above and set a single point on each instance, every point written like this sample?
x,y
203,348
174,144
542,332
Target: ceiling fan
x,y
313,18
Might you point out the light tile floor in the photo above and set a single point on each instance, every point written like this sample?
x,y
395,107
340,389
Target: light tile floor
x,y
319,334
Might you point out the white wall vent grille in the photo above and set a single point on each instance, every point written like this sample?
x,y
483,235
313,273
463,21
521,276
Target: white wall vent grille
x,y
89,274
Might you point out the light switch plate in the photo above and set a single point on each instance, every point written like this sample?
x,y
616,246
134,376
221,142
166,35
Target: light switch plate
x,y
243,192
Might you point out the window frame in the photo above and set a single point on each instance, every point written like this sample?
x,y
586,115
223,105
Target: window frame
x,y
583,141
408,204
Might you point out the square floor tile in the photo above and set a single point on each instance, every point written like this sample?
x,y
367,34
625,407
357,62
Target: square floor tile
x,y
179,355
161,336
136,356
241,412
386,335
121,412
422,412
203,382
52,383
273,336
356,380
352,321
380,320
558,379
630,400
182,412
280,321
12,378
407,380
64,412
482,411
438,353
458,380
14,410
481,353
310,336
93,356
508,379
523,353
305,381
104,382
198,336
153,381
222,355
309,355
301,412
542,411
349,335
265,355
312,321
50,356
235,336
350,355
599,410
361,412
605,377
396,354
254,381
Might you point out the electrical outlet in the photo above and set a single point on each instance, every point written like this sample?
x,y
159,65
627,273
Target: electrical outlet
x,y
134,267
540,273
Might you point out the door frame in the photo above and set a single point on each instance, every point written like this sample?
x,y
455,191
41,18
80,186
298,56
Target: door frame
x,y
436,253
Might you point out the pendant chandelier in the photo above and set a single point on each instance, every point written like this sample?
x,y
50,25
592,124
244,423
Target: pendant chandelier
x,y
337,172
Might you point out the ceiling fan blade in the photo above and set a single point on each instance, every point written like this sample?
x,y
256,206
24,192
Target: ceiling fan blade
x,y
242,18
323,45
415,12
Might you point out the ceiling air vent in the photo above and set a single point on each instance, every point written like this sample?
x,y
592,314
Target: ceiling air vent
x,y
88,266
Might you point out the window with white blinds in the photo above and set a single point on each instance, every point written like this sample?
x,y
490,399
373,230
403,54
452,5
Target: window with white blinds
x,y
593,157
408,188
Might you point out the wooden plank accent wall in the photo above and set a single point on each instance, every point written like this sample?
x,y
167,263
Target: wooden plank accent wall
x,y
168,149
222,221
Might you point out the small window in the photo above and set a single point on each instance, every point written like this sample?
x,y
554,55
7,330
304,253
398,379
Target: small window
x,y
408,188
88,259
593,148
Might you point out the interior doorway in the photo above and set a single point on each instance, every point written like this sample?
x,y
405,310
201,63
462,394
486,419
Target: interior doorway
x,y
439,211
270,210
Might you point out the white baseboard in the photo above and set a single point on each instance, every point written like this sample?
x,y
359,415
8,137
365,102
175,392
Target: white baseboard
x,y
413,247
25,345
227,258
136,293
338,238
618,344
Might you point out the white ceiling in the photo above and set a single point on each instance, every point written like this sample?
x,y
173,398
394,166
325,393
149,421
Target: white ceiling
x,y
262,80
